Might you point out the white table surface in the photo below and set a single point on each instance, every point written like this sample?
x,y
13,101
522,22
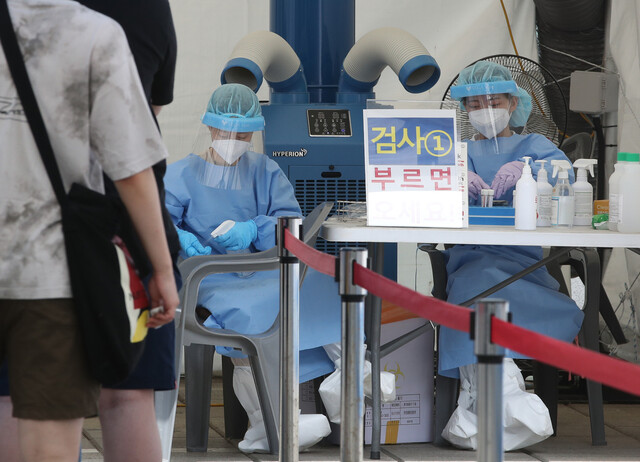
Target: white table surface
x,y
578,236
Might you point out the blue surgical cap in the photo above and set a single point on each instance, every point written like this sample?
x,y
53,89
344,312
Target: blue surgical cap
x,y
488,78
235,108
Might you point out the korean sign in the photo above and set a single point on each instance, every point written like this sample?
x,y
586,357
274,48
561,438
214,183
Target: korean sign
x,y
415,168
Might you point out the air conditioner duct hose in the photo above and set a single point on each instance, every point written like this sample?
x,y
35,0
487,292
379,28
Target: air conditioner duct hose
x,y
388,46
264,54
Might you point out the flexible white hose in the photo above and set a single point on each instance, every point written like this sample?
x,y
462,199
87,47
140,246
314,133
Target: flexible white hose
x,y
387,46
270,52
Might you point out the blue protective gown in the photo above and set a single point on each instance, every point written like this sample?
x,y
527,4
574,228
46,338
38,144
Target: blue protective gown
x,y
250,304
534,300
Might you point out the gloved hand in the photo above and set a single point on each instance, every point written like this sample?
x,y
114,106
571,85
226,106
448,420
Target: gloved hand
x,y
476,183
239,237
506,177
190,244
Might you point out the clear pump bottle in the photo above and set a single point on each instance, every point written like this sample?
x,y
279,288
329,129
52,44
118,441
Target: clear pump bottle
x,y
562,199
545,191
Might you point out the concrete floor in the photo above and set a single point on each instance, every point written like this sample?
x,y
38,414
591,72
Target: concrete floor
x,y
573,442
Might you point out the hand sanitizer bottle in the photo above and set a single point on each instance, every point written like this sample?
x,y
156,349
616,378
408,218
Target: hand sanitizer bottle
x,y
545,191
562,199
526,199
583,192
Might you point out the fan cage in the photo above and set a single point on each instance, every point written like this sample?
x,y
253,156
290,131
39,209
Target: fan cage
x,y
544,119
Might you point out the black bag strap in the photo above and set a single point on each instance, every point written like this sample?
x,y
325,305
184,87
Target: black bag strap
x,y
30,105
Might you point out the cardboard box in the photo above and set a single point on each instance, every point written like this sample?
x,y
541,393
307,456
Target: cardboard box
x,y
408,419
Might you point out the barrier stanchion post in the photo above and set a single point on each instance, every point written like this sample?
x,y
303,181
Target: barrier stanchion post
x,y
374,313
289,341
489,397
352,406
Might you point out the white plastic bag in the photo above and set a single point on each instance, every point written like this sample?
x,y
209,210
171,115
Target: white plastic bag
x,y
525,418
330,389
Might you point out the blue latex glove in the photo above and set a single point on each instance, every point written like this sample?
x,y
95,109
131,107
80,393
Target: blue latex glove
x,y
239,237
476,183
506,177
190,244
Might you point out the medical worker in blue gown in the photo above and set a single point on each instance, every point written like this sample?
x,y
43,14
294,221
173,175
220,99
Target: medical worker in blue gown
x,y
495,105
224,181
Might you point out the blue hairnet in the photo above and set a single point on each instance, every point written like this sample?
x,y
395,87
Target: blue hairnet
x,y
484,78
234,107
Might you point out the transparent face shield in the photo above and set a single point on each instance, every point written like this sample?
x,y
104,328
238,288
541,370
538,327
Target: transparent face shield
x,y
488,108
490,114
223,151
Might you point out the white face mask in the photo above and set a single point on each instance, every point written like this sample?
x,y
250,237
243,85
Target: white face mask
x,y
489,121
230,150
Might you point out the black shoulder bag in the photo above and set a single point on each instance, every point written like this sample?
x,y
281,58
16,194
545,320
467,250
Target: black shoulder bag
x,y
110,300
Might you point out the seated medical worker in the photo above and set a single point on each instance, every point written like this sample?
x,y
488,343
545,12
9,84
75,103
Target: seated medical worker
x,y
495,104
224,180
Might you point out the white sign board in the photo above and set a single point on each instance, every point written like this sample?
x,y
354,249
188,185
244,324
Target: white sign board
x,y
415,170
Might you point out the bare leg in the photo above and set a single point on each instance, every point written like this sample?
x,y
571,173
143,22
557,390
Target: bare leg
x,y
49,440
8,431
129,430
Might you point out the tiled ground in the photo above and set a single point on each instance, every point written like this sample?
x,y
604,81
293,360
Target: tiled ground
x,y
573,442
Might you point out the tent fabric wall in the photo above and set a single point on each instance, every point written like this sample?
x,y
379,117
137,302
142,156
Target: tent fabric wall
x,y
456,33
624,25
624,266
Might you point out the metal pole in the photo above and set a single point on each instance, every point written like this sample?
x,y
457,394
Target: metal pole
x,y
352,409
489,398
289,341
374,312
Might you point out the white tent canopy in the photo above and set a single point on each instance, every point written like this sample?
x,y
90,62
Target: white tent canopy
x,y
456,33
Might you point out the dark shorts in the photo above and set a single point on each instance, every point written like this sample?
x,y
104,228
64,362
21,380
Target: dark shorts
x,y
156,367
48,374
4,380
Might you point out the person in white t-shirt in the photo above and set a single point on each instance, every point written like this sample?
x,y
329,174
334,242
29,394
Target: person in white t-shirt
x,y
98,119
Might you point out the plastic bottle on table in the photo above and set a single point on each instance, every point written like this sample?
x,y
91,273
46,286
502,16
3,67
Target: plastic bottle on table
x,y
545,191
614,183
526,199
629,196
583,192
562,199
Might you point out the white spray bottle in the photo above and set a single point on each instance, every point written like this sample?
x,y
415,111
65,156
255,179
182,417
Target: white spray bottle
x,y
562,198
583,192
545,191
526,199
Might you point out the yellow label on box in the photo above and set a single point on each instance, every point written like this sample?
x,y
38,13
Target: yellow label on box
x,y
600,206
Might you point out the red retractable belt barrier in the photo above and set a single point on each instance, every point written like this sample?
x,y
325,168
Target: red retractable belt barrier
x,y
609,371
586,363
443,313
317,260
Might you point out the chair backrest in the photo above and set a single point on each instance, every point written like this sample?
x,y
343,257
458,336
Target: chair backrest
x,y
578,146
195,269
311,227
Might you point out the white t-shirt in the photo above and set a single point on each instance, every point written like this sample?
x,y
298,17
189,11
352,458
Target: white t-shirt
x,y
86,84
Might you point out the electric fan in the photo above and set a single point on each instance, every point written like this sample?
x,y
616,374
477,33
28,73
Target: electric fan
x,y
549,107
